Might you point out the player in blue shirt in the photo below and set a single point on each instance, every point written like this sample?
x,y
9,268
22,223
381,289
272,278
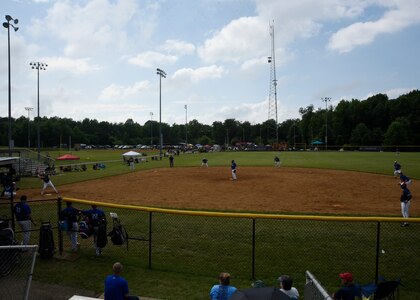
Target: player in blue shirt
x,y
71,216
23,217
397,168
116,287
96,218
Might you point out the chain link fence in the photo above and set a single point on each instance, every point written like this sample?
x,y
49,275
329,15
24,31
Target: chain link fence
x,y
16,268
251,246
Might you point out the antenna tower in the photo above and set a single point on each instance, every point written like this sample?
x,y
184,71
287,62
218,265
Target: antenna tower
x,y
272,98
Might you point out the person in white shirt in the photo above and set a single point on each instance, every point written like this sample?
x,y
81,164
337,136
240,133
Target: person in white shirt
x,y
286,287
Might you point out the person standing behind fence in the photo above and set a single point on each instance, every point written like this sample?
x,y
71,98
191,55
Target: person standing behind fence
x,y
97,219
286,286
23,217
47,182
223,290
71,215
349,290
405,202
116,287
233,170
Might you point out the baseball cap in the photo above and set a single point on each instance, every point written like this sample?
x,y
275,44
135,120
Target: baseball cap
x,y
347,276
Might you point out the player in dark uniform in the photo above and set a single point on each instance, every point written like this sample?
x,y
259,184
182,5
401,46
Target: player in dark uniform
x,y
71,216
23,217
397,169
405,179
233,169
96,218
405,202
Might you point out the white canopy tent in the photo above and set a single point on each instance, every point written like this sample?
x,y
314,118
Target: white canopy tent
x,y
131,154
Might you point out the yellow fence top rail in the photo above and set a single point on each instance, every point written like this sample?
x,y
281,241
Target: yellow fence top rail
x,y
243,215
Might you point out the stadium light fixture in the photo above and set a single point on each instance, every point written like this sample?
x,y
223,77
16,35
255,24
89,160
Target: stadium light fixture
x,y
161,74
7,25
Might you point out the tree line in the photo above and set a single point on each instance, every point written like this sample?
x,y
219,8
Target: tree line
x,y
374,121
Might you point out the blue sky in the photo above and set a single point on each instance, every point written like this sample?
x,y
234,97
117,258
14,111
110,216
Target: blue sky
x,y
102,56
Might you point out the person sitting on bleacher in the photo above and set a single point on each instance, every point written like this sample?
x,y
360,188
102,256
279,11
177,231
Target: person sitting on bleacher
x,y
286,286
223,290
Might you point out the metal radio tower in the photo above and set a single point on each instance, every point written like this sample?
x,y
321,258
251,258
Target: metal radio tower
x,y
272,98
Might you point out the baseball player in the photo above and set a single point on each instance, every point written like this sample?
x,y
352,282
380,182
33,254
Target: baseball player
x,y
204,162
233,169
405,202
23,216
96,218
397,169
47,182
405,179
277,162
71,215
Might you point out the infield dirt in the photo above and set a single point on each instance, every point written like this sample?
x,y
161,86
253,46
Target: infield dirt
x,y
259,189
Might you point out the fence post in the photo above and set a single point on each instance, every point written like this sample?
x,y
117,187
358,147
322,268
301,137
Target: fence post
x,y
253,249
378,233
150,239
60,234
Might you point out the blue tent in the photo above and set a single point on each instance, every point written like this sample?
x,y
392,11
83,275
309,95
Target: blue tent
x,y
317,143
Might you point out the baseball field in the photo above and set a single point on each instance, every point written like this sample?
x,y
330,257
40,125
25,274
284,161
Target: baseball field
x,y
310,183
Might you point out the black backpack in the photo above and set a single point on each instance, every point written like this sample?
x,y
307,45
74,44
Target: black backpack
x,y
46,241
118,234
102,239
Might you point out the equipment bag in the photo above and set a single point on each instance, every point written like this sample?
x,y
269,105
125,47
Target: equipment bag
x,y
102,239
46,241
118,234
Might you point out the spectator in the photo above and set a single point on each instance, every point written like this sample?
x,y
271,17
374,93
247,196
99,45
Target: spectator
x,y
286,286
349,290
116,287
71,215
97,219
23,217
223,290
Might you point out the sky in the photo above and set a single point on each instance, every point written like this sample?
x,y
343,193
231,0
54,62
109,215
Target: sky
x,y
102,57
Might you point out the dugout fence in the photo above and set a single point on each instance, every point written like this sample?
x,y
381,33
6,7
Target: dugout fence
x,y
250,246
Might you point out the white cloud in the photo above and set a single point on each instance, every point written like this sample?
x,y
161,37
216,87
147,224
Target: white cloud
x,y
152,59
406,13
88,29
118,92
196,75
241,39
74,66
178,47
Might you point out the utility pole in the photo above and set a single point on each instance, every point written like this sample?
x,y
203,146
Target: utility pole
x,y
272,99
326,100
29,109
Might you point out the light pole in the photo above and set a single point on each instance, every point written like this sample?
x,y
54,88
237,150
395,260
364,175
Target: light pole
x,y
186,125
38,66
161,74
7,25
326,100
29,109
151,130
